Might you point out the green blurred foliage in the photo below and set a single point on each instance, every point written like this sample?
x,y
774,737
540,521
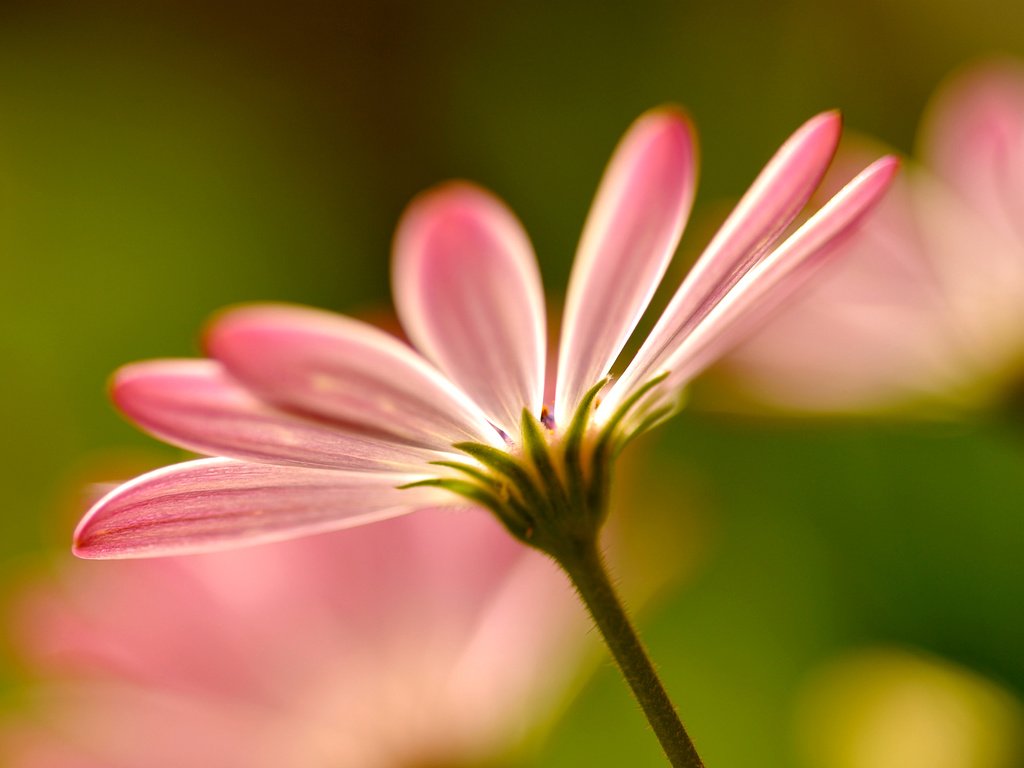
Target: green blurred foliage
x,y
826,538
160,160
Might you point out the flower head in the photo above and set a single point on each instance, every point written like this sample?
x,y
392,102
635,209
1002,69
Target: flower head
x,y
368,649
926,309
320,421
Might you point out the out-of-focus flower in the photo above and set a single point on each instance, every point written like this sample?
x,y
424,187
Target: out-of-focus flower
x,y
926,308
401,645
887,708
326,422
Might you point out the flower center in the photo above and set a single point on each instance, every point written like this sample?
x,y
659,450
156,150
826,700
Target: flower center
x,y
551,490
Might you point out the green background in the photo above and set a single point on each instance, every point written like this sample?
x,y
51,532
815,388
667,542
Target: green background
x,y
159,162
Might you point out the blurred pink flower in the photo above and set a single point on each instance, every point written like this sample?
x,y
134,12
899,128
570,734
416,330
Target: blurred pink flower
x,y
926,308
394,646
325,421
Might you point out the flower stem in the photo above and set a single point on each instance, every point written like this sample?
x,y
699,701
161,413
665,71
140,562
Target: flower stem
x,y
587,572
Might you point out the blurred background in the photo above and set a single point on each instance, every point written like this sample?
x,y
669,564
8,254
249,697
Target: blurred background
x,y
161,160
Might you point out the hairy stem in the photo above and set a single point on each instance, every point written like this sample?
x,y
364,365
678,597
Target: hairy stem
x,y
588,574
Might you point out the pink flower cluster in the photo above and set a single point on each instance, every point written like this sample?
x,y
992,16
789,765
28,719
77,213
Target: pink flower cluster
x,y
435,639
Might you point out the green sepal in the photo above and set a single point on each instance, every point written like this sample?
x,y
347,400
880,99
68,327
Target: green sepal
x,y
600,479
574,443
540,454
474,472
608,429
501,489
504,464
552,492
512,516
578,425
628,404
495,458
649,421
463,488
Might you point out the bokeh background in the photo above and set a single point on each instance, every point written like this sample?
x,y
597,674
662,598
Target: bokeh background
x,y
161,160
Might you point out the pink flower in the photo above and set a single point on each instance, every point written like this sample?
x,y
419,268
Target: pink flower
x,y
369,649
926,307
324,422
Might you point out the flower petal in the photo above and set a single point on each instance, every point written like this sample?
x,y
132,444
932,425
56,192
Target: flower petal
x,y
769,206
468,293
341,369
904,320
973,138
632,231
768,283
215,503
196,405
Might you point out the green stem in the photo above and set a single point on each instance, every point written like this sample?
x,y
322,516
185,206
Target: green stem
x,y
587,572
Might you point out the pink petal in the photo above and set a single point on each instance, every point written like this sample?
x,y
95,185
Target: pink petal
x,y
632,231
215,503
468,293
197,406
880,329
767,284
156,729
340,369
769,206
974,139
546,647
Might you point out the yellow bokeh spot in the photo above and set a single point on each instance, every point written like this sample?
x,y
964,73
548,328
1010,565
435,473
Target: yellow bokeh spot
x,y
888,708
